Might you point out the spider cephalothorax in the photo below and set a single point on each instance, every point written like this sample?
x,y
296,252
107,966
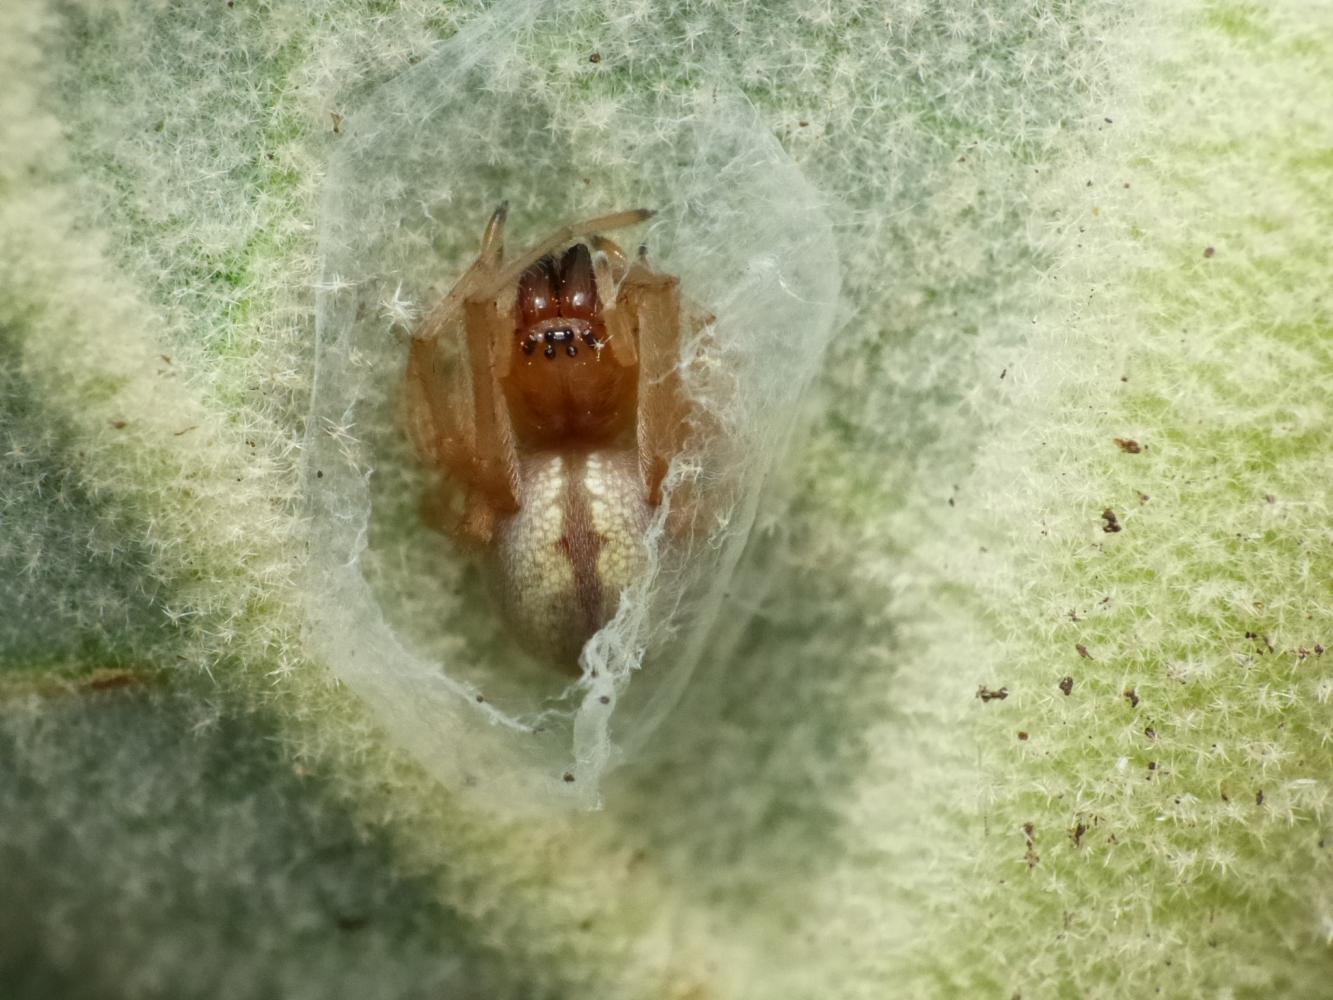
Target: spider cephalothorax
x,y
560,443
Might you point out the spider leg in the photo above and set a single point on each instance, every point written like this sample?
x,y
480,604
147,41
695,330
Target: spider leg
x,y
437,321
620,321
475,444
493,237
436,424
664,412
494,456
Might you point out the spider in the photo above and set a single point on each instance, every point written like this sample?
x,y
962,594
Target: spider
x,y
560,443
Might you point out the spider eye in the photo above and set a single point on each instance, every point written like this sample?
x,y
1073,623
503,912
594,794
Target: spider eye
x,y
578,287
537,292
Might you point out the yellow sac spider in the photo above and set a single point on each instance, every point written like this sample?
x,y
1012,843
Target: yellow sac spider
x,y
560,440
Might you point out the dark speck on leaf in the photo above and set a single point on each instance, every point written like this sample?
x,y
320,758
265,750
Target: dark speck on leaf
x,y
595,58
568,776
1067,685
1083,651
1112,525
986,694
1132,697
1209,251
1030,855
1128,445
1259,797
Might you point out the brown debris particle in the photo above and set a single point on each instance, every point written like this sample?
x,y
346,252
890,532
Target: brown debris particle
x,y
1022,735
1112,525
337,120
1318,649
987,694
1067,685
1131,696
1076,833
1268,642
110,680
1209,251
1030,855
1083,651
1128,445
568,776
120,424
1151,733
1259,797
595,58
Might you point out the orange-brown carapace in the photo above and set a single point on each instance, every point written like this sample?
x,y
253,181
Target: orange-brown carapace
x,y
560,439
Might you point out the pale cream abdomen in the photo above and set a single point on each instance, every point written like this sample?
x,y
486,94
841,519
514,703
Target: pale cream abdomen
x,y
575,544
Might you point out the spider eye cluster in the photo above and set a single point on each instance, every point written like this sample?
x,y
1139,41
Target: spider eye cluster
x,y
553,338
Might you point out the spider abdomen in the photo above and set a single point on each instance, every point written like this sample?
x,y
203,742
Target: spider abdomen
x,y
576,542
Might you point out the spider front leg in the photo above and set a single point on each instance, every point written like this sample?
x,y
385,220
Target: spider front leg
x,y
663,410
472,444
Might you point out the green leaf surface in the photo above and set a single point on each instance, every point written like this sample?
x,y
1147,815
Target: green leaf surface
x,y
1026,690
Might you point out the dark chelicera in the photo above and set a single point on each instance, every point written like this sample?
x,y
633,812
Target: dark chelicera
x,y
558,304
